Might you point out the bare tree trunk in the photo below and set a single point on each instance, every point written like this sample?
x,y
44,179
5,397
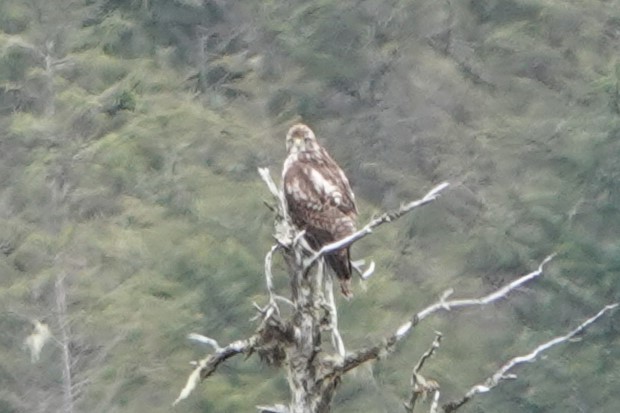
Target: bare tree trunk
x,y
305,367
50,105
313,371
63,324
203,59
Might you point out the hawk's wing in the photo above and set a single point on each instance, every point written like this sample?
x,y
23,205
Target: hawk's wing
x,y
316,189
343,196
320,200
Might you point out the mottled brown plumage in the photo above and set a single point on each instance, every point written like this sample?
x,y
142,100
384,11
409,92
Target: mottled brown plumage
x,y
319,198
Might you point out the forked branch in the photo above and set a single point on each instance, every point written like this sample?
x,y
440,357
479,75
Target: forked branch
x,y
378,350
494,296
421,386
503,373
313,379
208,365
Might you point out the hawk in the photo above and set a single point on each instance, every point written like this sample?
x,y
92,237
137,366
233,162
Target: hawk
x,y
319,198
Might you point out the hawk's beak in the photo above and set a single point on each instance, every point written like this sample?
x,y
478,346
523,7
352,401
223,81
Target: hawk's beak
x,y
294,142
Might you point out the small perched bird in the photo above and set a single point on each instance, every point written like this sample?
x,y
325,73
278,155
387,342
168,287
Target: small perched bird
x,y
319,198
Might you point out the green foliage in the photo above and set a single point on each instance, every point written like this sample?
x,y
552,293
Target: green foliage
x,y
130,134
15,62
499,12
307,36
15,18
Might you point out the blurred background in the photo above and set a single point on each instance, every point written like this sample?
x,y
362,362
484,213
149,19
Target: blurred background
x,y
131,212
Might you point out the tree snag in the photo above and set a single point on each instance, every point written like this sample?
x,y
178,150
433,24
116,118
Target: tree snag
x,y
295,338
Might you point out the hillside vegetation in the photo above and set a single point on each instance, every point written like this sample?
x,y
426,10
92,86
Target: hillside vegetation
x,y
131,212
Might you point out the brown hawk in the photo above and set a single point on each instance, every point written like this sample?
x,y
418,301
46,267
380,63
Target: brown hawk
x,y
319,198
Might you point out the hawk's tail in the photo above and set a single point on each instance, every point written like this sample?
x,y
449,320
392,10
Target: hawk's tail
x,y
340,262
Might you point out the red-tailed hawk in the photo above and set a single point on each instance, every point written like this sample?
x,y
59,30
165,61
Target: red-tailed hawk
x,y
319,198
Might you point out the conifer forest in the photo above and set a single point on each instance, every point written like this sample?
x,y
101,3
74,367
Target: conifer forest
x,y
132,212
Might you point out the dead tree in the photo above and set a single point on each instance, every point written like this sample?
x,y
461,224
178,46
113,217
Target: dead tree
x,y
64,342
294,336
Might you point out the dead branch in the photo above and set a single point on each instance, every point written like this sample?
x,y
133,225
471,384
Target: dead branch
x,y
277,194
427,355
276,408
65,342
337,341
204,340
208,365
435,402
374,223
269,280
496,295
284,231
314,375
377,351
420,386
266,176
502,374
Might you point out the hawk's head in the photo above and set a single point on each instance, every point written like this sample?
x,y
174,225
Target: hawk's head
x,y
300,138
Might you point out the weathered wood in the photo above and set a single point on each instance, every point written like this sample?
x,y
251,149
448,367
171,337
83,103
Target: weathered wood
x,y
295,339
310,392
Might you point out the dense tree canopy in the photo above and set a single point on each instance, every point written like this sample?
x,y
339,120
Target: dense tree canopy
x,y
130,135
